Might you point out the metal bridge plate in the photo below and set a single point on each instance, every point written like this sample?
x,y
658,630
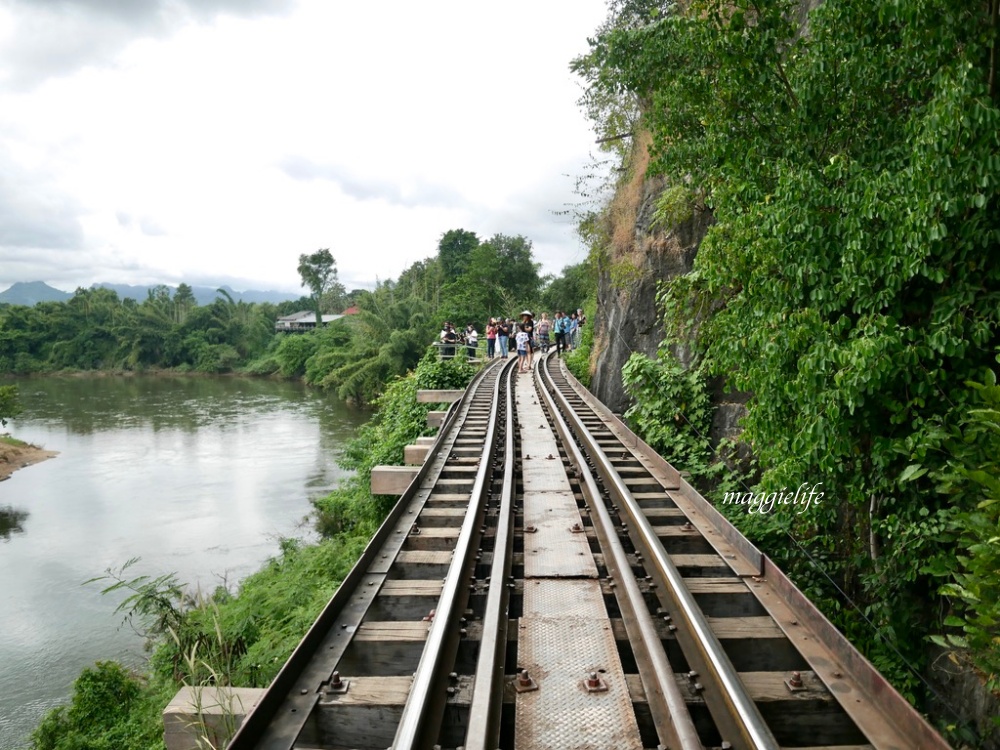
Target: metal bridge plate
x,y
564,635
555,550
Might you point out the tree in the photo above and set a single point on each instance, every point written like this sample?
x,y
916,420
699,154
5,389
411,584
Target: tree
x,y
850,280
183,302
454,252
500,277
319,273
568,291
9,407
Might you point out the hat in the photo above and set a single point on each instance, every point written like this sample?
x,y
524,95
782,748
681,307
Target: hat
x,y
528,313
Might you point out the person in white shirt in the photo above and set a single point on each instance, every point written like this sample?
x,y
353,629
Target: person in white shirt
x,y
471,340
524,365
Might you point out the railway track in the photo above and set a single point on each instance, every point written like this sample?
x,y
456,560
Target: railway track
x,y
547,581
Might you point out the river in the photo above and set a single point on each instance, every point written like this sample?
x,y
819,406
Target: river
x,y
195,476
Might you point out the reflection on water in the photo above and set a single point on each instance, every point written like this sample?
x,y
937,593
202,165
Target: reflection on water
x,y
11,522
197,476
157,403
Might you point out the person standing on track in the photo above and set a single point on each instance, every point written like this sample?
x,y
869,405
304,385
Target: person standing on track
x,y
561,326
544,328
503,335
471,340
491,338
523,352
528,327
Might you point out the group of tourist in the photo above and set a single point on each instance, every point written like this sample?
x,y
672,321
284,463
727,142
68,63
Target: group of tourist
x,y
528,336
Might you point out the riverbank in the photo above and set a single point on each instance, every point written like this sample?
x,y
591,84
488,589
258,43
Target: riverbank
x,y
181,472
16,454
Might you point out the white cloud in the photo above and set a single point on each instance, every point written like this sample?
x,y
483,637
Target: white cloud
x,y
185,141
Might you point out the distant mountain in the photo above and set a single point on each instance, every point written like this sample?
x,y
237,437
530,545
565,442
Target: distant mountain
x,y
205,295
30,293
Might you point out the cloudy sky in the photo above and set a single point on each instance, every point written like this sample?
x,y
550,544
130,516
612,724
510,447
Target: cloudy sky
x,y
213,141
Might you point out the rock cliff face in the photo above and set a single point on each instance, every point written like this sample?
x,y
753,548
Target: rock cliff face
x,y
627,317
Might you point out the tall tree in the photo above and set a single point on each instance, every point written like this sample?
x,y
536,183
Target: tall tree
x,y
570,289
454,251
183,302
500,277
318,272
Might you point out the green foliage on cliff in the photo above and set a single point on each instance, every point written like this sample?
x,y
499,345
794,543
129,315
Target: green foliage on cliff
x,y
672,410
578,360
970,477
852,280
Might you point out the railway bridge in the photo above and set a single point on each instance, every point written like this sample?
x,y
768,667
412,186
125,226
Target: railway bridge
x,y
547,581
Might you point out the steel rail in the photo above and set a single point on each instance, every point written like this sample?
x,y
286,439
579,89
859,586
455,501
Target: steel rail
x,y
746,718
415,716
679,726
483,732
282,712
884,716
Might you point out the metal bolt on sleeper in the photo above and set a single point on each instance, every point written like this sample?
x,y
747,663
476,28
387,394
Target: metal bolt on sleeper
x,y
794,682
594,684
523,683
338,685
